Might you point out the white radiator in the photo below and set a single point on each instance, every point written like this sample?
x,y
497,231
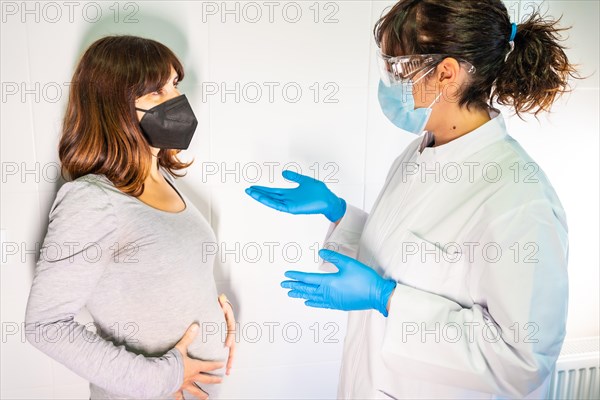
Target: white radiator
x,y
577,374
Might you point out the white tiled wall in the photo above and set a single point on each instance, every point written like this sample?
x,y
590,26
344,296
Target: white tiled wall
x,y
334,128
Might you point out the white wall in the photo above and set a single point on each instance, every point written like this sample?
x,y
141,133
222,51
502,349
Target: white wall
x,y
349,138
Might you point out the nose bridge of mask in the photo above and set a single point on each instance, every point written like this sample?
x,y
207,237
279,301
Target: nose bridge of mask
x,y
170,124
148,112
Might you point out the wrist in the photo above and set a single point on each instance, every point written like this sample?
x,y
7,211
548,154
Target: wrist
x,y
389,302
337,210
177,369
387,288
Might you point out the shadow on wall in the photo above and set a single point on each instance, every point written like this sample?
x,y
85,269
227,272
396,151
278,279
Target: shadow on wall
x,y
148,26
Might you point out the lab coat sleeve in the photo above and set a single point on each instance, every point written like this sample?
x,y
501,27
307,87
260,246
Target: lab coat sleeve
x,y
75,254
508,342
345,236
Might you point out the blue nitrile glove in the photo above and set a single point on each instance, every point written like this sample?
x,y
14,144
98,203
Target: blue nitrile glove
x,y
311,197
354,287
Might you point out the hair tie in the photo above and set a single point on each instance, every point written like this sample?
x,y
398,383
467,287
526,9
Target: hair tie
x,y
511,41
513,33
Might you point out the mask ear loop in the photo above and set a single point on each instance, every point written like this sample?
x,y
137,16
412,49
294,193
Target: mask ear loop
x,y
436,99
423,76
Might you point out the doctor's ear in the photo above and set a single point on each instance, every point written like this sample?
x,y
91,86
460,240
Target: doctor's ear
x,y
448,71
448,78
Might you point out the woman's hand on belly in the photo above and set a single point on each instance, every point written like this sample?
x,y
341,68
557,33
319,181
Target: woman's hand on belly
x,y
230,341
195,370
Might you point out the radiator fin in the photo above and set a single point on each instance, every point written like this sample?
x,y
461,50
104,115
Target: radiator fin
x,y
577,374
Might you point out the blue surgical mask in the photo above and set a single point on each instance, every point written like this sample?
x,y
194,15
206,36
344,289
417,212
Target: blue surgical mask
x,y
398,104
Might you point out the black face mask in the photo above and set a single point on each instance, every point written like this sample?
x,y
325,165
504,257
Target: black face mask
x,y
169,125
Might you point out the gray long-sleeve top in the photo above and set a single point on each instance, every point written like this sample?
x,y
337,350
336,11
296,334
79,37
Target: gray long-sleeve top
x,y
144,277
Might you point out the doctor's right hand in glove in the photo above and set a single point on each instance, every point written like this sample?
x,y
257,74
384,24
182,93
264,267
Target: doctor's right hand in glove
x,y
310,197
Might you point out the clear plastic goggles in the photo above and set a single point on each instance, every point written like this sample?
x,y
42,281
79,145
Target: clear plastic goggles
x,y
396,70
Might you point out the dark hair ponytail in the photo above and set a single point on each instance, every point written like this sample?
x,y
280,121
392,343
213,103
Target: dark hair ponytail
x,y
537,70
535,73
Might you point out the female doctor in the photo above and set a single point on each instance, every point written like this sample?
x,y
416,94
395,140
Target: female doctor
x,y
456,281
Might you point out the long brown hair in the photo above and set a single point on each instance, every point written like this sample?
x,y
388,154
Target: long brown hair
x,y
535,73
101,132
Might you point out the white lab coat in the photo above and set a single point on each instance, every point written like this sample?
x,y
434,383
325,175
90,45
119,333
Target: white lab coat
x,y
481,264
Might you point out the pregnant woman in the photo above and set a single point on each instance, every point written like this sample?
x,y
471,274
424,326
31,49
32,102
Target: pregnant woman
x,y
124,242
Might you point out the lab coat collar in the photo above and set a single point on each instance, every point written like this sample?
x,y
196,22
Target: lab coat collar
x,y
491,131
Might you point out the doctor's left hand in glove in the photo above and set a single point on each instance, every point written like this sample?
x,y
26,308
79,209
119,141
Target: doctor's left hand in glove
x,y
355,286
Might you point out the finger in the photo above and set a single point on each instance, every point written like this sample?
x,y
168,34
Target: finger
x,y
195,389
207,378
316,304
267,200
230,340
229,318
178,395
267,190
304,287
274,193
252,192
230,358
204,366
279,194
303,295
225,303
188,336
312,278
295,177
255,192
222,299
338,259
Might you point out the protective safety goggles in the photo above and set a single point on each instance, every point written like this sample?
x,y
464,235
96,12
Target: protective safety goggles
x,y
396,70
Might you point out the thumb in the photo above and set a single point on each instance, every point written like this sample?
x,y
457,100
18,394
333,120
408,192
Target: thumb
x,y
188,337
178,395
338,259
294,176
